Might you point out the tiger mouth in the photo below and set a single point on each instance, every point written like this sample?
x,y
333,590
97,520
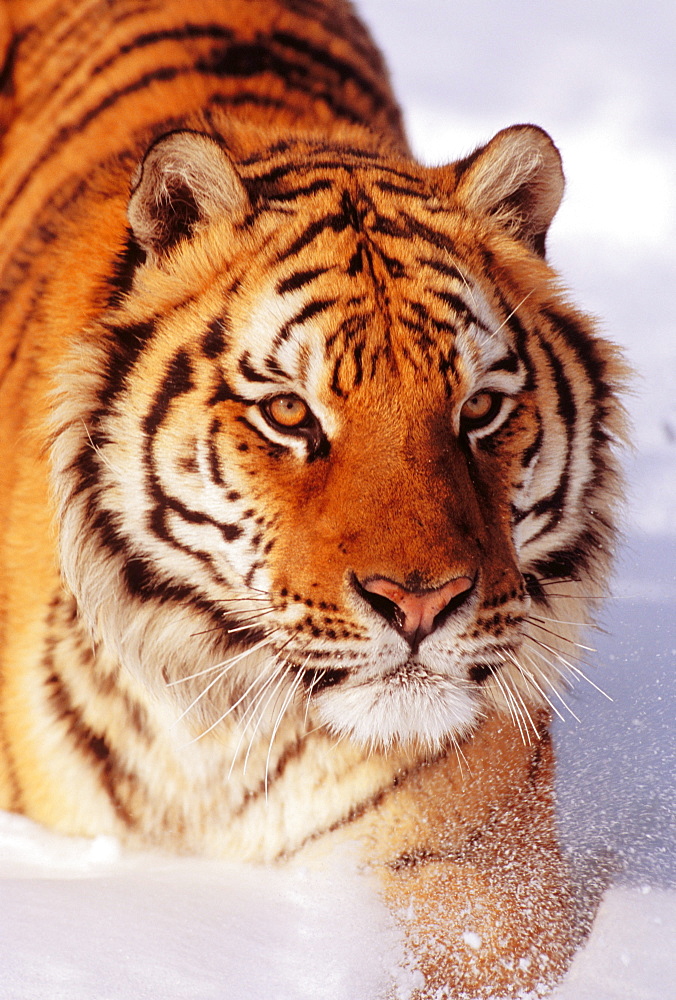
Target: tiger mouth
x,y
316,681
411,670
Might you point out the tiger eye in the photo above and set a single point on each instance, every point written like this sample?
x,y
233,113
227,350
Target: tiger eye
x,y
288,411
478,407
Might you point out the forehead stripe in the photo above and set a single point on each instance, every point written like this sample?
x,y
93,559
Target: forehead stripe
x,y
298,280
307,312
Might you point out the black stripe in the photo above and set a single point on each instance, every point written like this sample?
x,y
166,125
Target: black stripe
x,y
164,504
214,340
565,400
394,267
569,563
66,132
250,373
247,97
299,279
443,267
335,379
586,348
189,31
347,27
274,367
433,236
357,353
7,70
129,340
93,744
508,364
342,68
521,343
459,306
532,450
223,394
335,157
295,193
214,463
274,449
389,187
315,308
243,60
144,583
176,382
125,264
336,222
30,315
554,505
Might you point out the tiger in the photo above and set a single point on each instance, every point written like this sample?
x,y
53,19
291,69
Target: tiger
x,y
310,470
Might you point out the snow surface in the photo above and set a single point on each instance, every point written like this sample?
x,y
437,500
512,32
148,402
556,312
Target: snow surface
x,y
82,920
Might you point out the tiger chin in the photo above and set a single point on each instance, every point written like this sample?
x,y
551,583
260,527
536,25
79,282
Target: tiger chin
x,y
309,473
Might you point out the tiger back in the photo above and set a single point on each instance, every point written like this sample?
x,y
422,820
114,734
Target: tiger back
x,y
308,469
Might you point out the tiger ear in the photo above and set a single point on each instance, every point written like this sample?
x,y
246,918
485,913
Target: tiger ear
x,y
517,178
184,182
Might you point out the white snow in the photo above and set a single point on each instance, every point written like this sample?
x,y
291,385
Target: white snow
x,y
83,920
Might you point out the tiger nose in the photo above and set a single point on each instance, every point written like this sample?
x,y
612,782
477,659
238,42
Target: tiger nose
x,y
412,613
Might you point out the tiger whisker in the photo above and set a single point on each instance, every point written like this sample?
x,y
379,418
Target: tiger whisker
x,y
99,452
301,671
554,692
254,716
459,755
285,704
575,670
254,616
315,729
240,628
279,671
520,713
232,600
560,621
280,674
498,680
589,597
514,310
527,717
513,708
256,590
464,280
250,711
341,738
528,677
225,663
581,673
563,638
230,709
316,677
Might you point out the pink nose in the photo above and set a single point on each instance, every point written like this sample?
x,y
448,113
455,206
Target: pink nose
x,y
416,612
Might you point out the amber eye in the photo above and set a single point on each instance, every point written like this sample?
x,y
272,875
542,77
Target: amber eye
x,y
288,412
480,409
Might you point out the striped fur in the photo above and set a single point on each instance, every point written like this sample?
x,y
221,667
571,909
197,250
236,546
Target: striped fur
x,y
260,370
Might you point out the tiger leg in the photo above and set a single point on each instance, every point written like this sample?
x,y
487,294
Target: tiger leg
x,y
470,866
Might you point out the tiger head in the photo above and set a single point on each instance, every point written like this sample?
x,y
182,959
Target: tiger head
x,y
339,443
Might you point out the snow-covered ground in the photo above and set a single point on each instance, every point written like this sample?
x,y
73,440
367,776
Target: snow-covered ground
x,y
80,920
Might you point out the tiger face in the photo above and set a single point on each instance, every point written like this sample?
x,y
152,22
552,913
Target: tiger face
x,y
341,471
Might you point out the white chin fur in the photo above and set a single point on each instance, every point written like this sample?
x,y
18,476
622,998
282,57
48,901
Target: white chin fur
x,y
401,708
